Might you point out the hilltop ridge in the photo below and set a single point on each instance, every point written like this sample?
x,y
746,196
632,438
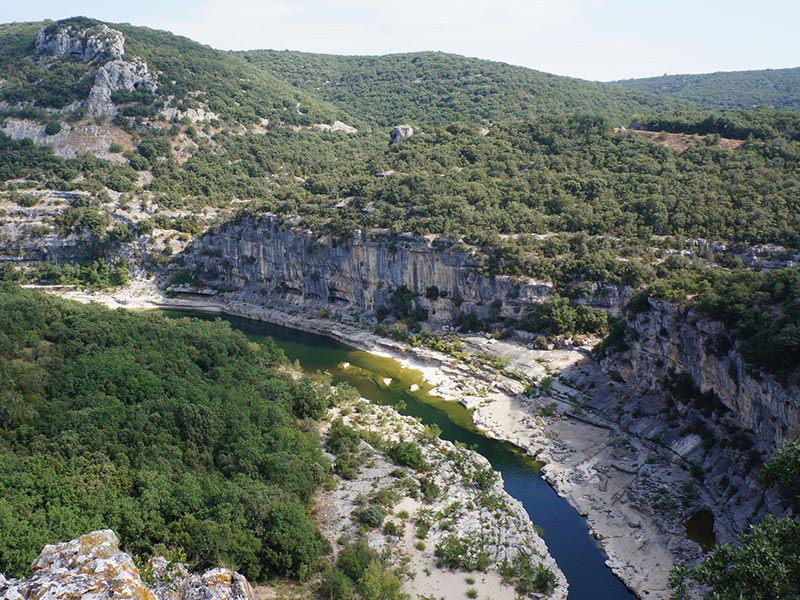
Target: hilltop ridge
x,y
771,88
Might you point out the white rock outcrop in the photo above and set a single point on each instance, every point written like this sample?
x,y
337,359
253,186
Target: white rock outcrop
x,y
101,46
114,76
337,126
87,44
400,133
92,567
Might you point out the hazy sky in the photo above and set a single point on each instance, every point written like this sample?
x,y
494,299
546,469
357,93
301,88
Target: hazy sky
x,y
592,39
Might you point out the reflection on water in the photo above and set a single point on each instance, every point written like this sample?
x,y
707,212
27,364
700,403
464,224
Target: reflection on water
x,y
386,381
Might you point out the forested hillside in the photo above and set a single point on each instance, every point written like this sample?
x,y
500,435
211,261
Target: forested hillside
x,y
606,194
190,75
176,434
525,168
771,88
434,88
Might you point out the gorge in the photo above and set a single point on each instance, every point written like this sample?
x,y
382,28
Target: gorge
x,y
619,304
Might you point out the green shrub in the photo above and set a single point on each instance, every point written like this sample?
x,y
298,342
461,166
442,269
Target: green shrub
x,y
731,572
355,558
336,585
372,516
462,553
52,127
408,454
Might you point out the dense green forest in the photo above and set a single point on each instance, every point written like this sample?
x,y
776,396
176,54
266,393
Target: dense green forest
x,y
571,175
762,124
772,88
434,88
180,435
606,196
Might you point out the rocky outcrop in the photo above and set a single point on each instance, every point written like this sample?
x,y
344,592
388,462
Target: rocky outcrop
x,y
400,133
173,582
114,76
74,139
337,126
668,338
101,46
92,567
195,115
267,262
98,43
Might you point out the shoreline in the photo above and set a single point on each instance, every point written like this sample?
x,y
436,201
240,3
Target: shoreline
x,y
502,529
575,450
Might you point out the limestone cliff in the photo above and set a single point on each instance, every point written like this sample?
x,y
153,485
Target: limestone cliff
x,y
268,262
669,338
93,567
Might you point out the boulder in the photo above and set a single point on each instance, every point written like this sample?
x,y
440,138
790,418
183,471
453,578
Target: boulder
x,y
92,567
400,133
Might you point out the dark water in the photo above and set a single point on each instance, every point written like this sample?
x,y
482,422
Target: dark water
x,y
700,529
576,552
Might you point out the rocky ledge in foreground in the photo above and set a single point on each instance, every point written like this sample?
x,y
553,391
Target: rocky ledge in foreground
x,y
93,567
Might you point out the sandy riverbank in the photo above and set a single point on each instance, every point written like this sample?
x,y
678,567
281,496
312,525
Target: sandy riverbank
x,y
585,464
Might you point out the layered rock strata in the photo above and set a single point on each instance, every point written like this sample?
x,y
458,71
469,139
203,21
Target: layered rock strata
x,y
267,262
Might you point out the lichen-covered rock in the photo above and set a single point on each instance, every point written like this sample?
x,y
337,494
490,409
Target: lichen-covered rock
x,y
173,582
92,567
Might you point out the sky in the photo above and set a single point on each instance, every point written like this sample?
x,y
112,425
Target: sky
x,y
592,39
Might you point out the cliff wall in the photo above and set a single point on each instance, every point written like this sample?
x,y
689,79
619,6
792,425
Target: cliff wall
x,y
267,262
667,337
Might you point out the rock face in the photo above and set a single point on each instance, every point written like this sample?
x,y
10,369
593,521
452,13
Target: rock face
x,y
100,46
85,137
267,262
92,567
114,76
400,133
99,43
671,338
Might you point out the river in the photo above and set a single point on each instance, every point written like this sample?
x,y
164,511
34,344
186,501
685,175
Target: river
x,y
580,557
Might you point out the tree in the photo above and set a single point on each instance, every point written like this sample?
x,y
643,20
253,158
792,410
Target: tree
x,y
52,128
764,566
379,584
